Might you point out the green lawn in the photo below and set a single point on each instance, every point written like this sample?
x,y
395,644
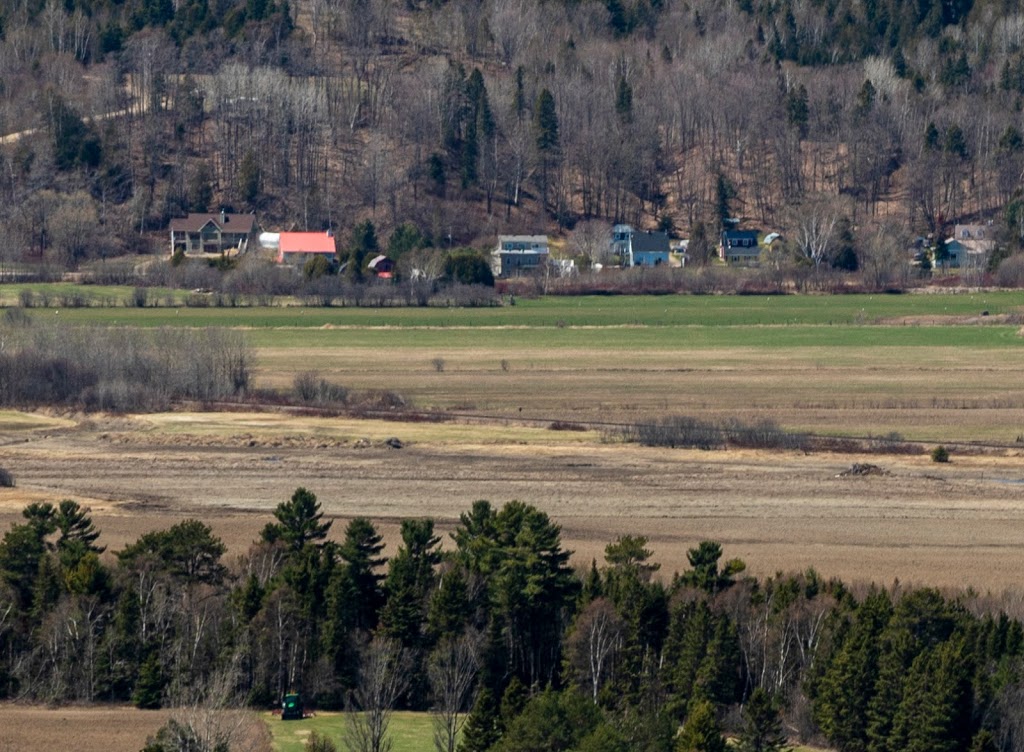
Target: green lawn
x,y
411,732
63,294
553,312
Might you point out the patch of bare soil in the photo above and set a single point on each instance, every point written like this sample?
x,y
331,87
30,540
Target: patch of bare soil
x,y
82,729
960,524
982,317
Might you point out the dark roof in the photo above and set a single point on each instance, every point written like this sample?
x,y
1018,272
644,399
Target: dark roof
x,y
237,223
650,242
740,234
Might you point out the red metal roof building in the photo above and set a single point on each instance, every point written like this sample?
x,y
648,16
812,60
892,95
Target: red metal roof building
x,y
299,247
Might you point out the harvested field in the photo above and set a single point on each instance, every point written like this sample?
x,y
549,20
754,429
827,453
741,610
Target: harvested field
x,y
951,525
82,729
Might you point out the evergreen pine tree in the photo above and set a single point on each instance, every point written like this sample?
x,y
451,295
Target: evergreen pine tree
x,y
149,687
482,727
298,521
361,551
762,726
701,732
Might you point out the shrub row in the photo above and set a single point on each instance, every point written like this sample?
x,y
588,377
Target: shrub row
x,y
680,431
119,369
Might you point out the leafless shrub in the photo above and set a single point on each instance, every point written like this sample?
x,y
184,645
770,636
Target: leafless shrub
x,y
688,432
309,388
677,431
563,425
119,272
16,317
383,399
120,369
438,364
139,298
1011,272
26,299
762,434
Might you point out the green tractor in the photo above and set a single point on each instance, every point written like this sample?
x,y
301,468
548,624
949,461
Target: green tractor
x,y
291,707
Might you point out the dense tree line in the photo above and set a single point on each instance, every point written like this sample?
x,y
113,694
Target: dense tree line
x,y
499,637
893,117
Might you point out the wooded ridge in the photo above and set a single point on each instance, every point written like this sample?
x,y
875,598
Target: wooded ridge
x,y
469,119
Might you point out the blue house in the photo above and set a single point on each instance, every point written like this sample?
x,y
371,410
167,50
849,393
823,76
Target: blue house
x,y
640,248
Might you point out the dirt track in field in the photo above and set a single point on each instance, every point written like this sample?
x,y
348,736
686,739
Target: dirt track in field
x,y
955,524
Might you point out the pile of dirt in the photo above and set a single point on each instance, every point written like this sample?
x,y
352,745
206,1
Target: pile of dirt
x,y
863,468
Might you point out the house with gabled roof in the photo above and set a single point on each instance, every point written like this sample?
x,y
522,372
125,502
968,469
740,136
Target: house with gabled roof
x,y
212,233
299,247
519,254
636,248
739,247
970,246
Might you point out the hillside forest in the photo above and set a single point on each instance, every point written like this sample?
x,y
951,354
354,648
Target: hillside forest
x,y
465,118
495,634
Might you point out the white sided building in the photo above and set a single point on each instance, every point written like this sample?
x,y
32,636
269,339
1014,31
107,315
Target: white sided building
x,y
518,255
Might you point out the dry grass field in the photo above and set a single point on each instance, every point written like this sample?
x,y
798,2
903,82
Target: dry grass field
x,y
955,524
928,367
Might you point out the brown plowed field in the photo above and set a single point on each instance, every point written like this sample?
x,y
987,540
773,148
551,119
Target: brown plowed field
x,y
77,729
953,524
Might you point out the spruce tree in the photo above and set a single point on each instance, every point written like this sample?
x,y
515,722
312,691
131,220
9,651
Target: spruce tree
x,y
701,732
762,726
361,551
482,727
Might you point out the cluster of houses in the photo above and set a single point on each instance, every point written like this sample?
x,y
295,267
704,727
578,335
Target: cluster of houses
x,y
520,255
230,234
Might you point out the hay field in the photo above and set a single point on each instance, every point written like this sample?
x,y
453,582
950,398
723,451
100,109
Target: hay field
x,y
928,367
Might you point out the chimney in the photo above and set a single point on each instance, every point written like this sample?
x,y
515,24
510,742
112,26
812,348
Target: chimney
x,y
223,218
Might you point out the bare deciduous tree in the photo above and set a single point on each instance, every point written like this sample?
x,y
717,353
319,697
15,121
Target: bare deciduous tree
x,y
211,717
814,224
883,255
383,677
592,240
594,641
452,668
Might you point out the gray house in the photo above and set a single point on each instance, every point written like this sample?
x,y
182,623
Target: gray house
x,y
739,247
970,246
517,255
